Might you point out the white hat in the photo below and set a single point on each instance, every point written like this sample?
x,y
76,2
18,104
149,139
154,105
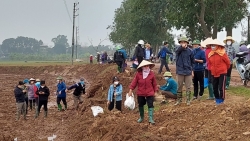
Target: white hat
x,y
32,79
141,42
216,42
38,80
145,63
229,38
205,42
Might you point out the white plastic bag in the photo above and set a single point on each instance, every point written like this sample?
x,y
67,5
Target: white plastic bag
x,y
96,110
130,102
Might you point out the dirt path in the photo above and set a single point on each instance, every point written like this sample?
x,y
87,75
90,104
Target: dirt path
x,y
200,121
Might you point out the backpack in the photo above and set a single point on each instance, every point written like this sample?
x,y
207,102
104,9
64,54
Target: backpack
x,y
163,53
119,56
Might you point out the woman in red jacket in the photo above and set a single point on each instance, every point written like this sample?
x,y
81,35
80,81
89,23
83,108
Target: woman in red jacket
x,y
220,63
146,88
208,74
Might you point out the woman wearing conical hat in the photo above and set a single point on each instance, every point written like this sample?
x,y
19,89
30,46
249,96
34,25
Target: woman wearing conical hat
x,y
208,75
146,85
230,50
220,63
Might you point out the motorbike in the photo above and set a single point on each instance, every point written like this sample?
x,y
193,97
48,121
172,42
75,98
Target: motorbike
x,y
243,66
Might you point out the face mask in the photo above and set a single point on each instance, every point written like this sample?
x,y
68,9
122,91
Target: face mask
x,y
213,47
145,68
116,83
42,86
82,82
166,78
229,42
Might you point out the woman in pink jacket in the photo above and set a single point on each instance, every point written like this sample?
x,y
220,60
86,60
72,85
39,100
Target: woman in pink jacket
x,y
146,88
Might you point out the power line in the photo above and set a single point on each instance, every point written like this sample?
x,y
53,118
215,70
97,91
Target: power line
x,y
67,10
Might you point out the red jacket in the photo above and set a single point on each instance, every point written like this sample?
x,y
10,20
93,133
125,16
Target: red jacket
x,y
35,89
146,87
219,64
207,51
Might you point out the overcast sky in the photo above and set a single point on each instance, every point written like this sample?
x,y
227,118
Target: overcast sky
x,y
45,19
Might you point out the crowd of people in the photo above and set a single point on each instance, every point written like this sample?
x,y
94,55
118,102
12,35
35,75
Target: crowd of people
x,y
203,64
33,94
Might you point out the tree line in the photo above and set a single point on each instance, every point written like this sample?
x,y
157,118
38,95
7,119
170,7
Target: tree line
x,y
26,48
153,21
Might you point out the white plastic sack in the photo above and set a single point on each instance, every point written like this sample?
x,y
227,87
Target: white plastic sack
x,y
96,110
52,138
130,102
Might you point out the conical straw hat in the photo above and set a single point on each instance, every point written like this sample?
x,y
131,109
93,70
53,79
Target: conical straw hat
x,y
216,42
205,42
145,63
229,38
167,73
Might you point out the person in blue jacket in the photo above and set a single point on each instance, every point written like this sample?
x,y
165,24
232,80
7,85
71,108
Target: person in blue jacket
x,y
163,57
61,93
38,83
115,95
184,68
120,57
169,90
198,69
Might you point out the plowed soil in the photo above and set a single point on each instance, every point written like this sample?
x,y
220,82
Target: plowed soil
x,y
202,121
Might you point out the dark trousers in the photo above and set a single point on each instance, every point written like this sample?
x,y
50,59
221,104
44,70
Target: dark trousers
x,y
36,101
59,99
27,103
219,85
163,63
120,65
139,59
116,104
91,61
198,79
43,103
206,73
32,103
229,71
169,94
142,100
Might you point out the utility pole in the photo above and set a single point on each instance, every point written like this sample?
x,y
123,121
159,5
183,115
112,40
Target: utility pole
x,y
77,30
73,36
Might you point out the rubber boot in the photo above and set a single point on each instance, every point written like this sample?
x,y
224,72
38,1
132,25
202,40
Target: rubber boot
x,y
151,115
141,110
219,101
211,92
37,114
205,83
45,114
59,107
179,98
228,82
188,95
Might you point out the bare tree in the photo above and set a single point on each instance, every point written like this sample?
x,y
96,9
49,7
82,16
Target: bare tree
x,y
97,48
